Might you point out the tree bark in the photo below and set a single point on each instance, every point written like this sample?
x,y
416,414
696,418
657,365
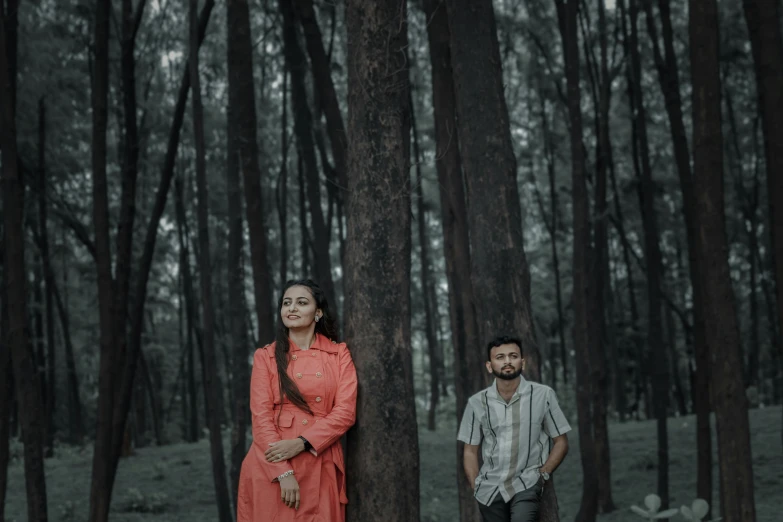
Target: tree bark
x,y
668,76
567,13
377,278
76,419
212,386
722,331
5,392
468,357
655,357
243,120
282,185
296,63
763,20
31,407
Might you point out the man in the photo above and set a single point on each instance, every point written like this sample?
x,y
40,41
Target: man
x,y
521,431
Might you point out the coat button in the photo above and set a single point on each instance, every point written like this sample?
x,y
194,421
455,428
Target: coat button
x,y
304,421
317,399
298,375
318,374
293,357
313,354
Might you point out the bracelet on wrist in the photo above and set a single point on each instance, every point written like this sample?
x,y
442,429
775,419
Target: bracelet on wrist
x,y
288,473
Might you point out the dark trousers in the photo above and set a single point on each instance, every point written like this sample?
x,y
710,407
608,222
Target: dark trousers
x,y
523,507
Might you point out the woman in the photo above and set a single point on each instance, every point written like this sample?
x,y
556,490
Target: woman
x,y
302,400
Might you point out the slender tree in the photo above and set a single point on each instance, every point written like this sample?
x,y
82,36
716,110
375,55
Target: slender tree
x,y
722,330
456,247
377,278
212,385
567,13
31,406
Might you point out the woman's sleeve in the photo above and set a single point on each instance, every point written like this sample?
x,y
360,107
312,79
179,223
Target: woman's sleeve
x,y
330,428
262,410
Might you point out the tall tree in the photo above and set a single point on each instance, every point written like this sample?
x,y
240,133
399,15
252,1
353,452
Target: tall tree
x,y
31,406
720,315
669,80
456,247
377,277
296,63
567,13
243,157
212,386
244,149
763,20
5,393
655,357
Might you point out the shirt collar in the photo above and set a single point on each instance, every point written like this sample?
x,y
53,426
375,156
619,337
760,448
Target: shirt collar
x,y
492,391
321,343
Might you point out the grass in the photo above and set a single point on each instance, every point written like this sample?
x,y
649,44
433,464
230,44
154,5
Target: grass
x,y
176,480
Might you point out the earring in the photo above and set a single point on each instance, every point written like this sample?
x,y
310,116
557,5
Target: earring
x,y
316,318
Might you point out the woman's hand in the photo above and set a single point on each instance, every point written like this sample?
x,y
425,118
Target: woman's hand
x,y
284,450
289,492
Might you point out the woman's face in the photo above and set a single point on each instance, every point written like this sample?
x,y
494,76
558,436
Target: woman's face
x,y
299,309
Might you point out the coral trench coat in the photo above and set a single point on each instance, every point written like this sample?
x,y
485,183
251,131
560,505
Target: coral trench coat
x,y
326,378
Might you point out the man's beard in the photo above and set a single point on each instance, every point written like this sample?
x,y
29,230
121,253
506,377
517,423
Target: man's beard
x,y
507,376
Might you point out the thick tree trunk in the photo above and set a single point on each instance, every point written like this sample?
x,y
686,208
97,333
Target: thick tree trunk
x,y
655,357
296,63
668,76
6,381
722,330
763,20
435,355
567,16
468,357
31,406
243,120
212,386
377,278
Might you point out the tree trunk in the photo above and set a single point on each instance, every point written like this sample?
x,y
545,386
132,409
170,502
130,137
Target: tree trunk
x,y
304,235
763,20
436,361
212,385
671,345
655,357
76,420
320,62
5,392
282,185
296,63
567,16
600,270
243,120
668,76
31,406
722,331
192,431
377,279
468,357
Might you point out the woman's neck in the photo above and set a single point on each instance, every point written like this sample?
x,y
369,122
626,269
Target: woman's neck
x,y
302,337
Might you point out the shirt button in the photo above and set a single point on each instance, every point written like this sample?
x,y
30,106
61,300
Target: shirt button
x,y
304,421
293,357
298,375
317,399
318,374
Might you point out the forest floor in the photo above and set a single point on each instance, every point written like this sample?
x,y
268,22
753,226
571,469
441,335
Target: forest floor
x,y
176,480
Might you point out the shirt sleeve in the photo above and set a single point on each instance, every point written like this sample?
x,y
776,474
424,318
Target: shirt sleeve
x,y
555,423
470,427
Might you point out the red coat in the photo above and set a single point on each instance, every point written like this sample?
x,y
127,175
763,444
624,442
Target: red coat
x,y
326,378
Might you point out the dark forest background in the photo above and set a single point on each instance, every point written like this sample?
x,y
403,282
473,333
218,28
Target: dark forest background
x,y
603,178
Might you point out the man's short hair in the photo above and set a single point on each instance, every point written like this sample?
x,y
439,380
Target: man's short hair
x,y
500,340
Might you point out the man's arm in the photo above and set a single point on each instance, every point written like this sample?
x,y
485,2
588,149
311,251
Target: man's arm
x,y
556,456
470,462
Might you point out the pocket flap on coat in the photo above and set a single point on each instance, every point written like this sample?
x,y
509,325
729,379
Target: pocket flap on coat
x,y
286,419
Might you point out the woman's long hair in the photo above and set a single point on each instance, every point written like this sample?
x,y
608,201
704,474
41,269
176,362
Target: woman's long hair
x,y
324,326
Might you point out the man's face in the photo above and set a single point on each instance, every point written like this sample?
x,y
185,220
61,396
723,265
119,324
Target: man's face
x,y
506,362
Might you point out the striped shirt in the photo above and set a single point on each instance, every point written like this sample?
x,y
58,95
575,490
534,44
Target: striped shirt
x,y
514,437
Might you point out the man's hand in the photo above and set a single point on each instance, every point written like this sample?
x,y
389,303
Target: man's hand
x,y
289,492
284,450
